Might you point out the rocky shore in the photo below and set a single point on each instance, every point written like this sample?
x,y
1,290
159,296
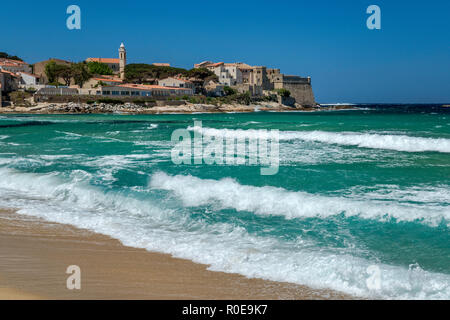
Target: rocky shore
x,y
130,108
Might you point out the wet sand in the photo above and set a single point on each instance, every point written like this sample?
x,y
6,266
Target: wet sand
x,y
35,254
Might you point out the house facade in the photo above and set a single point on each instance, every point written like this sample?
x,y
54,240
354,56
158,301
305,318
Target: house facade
x,y
95,82
228,74
9,80
29,79
176,83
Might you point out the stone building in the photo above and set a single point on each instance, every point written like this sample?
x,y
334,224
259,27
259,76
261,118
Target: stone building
x,y
299,87
257,79
9,80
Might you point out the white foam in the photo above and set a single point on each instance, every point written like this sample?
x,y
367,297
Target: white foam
x,y
338,104
224,247
269,200
363,140
420,194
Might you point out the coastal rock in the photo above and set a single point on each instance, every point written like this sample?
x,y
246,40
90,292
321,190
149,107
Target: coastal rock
x,y
131,108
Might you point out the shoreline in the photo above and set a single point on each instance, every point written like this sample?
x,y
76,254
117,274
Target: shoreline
x,y
36,253
129,108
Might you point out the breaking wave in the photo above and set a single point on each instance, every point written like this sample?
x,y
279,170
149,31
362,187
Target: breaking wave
x,y
269,200
145,223
363,140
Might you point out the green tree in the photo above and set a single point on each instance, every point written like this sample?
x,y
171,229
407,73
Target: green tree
x,y
139,72
200,73
284,93
99,68
244,98
229,91
81,73
51,71
64,72
4,55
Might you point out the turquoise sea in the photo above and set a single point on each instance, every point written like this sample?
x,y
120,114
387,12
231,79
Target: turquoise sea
x,y
361,202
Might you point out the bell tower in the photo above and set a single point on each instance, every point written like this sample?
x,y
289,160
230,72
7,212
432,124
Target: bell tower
x,y
122,61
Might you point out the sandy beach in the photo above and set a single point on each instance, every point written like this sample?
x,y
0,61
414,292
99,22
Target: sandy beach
x,y
35,254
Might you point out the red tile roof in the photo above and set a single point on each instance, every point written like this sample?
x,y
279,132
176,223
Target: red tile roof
x,y
9,72
10,62
103,60
215,65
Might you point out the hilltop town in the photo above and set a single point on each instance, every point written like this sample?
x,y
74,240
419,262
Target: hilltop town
x,y
112,85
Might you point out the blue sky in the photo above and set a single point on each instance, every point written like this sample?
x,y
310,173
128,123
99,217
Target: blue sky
x,y
408,60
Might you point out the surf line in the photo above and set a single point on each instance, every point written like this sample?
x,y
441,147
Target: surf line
x,y
220,148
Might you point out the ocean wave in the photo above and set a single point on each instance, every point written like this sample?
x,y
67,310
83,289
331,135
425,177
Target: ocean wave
x,y
363,140
269,200
145,223
420,194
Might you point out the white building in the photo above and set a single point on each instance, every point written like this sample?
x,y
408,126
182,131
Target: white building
x,y
229,74
29,79
175,83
